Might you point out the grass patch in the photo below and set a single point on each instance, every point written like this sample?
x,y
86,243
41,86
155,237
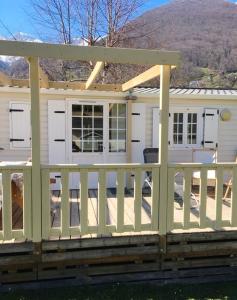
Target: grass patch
x,y
146,291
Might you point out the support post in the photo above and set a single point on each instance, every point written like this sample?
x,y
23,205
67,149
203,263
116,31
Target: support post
x,y
35,128
163,147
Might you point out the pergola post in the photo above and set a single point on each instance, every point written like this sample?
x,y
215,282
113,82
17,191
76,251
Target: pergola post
x,y
163,146
35,129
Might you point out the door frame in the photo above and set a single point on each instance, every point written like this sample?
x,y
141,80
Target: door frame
x,y
79,101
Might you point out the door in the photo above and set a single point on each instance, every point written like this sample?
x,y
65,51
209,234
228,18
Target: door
x,y
87,138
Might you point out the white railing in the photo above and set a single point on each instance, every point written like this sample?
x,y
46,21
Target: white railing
x,y
101,227
6,194
210,211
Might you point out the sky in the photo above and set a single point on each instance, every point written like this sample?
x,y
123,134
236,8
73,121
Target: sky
x,y
15,14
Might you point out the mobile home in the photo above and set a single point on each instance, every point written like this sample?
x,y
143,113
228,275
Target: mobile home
x,y
99,127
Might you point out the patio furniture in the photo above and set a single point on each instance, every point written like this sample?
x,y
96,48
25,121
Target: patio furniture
x,y
151,156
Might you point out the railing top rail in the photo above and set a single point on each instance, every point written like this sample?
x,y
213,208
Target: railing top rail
x,y
203,165
14,167
101,166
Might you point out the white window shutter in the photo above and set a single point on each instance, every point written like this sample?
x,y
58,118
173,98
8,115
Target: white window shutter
x,y
155,127
20,125
211,122
138,132
57,131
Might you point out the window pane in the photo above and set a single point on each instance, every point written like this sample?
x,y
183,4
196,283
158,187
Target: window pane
x,y
87,134
113,123
113,134
98,123
122,135
76,134
122,123
98,146
76,146
76,122
175,139
113,146
181,118
121,146
98,111
113,110
121,110
87,146
180,139
87,110
76,110
175,118
87,122
98,135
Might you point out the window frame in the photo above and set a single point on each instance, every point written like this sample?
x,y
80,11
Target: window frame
x,y
186,111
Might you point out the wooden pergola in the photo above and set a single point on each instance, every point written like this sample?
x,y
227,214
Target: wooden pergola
x,y
162,62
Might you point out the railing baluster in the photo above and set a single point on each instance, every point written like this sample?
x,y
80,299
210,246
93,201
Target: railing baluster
x,y
27,225
234,198
155,198
219,196
7,205
46,203
120,200
203,197
138,200
65,209
187,192
84,201
102,198
170,208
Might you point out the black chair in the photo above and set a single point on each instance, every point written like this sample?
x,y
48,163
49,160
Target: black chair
x,y
151,156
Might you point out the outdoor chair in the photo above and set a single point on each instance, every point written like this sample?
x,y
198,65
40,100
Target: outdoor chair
x,y
151,156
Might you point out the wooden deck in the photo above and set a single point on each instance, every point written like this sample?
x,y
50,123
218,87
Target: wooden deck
x,y
111,210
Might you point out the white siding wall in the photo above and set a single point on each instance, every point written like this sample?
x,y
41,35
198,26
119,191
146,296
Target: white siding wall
x,y
24,96
227,144
227,149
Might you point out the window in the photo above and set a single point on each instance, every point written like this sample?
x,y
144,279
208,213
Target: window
x,y
192,129
186,128
117,127
178,128
87,128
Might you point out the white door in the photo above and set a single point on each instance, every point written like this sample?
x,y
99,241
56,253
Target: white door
x,y
88,129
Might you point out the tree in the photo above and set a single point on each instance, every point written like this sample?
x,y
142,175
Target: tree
x,y
56,15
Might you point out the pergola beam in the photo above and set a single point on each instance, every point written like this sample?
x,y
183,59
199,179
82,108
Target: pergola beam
x,y
44,80
73,52
143,77
97,69
73,85
4,79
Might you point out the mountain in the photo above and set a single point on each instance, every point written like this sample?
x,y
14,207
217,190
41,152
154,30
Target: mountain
x,y
205,31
